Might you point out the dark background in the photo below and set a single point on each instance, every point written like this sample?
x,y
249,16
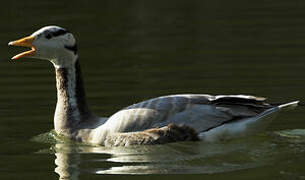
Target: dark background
x,y
134,50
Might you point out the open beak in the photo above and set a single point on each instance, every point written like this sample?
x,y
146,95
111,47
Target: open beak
x,y
24,42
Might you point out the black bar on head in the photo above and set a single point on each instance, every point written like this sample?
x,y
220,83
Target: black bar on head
x,y
50,34
59,32
72,48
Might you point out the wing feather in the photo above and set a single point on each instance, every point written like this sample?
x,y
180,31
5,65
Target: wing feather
x,y
200,111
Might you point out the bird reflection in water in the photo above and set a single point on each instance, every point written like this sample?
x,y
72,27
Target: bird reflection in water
x,y
67,162
119,160
73,160
188,157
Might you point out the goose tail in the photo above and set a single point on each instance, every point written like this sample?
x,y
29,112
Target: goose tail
x,y
290,105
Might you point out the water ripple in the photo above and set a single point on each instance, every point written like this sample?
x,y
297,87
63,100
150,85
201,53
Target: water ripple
x,y
176,158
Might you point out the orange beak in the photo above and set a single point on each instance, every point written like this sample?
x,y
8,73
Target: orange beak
x,y
24,42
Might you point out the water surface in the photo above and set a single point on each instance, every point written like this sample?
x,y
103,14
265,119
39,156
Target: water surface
x,y
135,50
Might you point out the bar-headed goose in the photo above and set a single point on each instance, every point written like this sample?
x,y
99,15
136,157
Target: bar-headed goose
x,y
184,117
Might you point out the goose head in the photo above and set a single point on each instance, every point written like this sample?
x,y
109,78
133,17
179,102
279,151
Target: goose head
x,y
51,43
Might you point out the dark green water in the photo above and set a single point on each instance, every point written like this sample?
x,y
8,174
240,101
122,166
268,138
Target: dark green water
x,y
135,50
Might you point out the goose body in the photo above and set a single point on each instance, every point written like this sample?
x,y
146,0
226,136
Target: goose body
x,y
183,117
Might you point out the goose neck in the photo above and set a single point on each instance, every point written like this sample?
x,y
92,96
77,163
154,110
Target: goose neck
x,y
71,107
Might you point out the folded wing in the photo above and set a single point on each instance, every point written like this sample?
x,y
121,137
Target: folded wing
x,y
201,112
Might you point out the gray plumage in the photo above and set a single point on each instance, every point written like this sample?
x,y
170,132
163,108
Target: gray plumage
x,y
202,112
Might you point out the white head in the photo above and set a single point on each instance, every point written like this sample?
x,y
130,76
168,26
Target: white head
x,y
52,43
